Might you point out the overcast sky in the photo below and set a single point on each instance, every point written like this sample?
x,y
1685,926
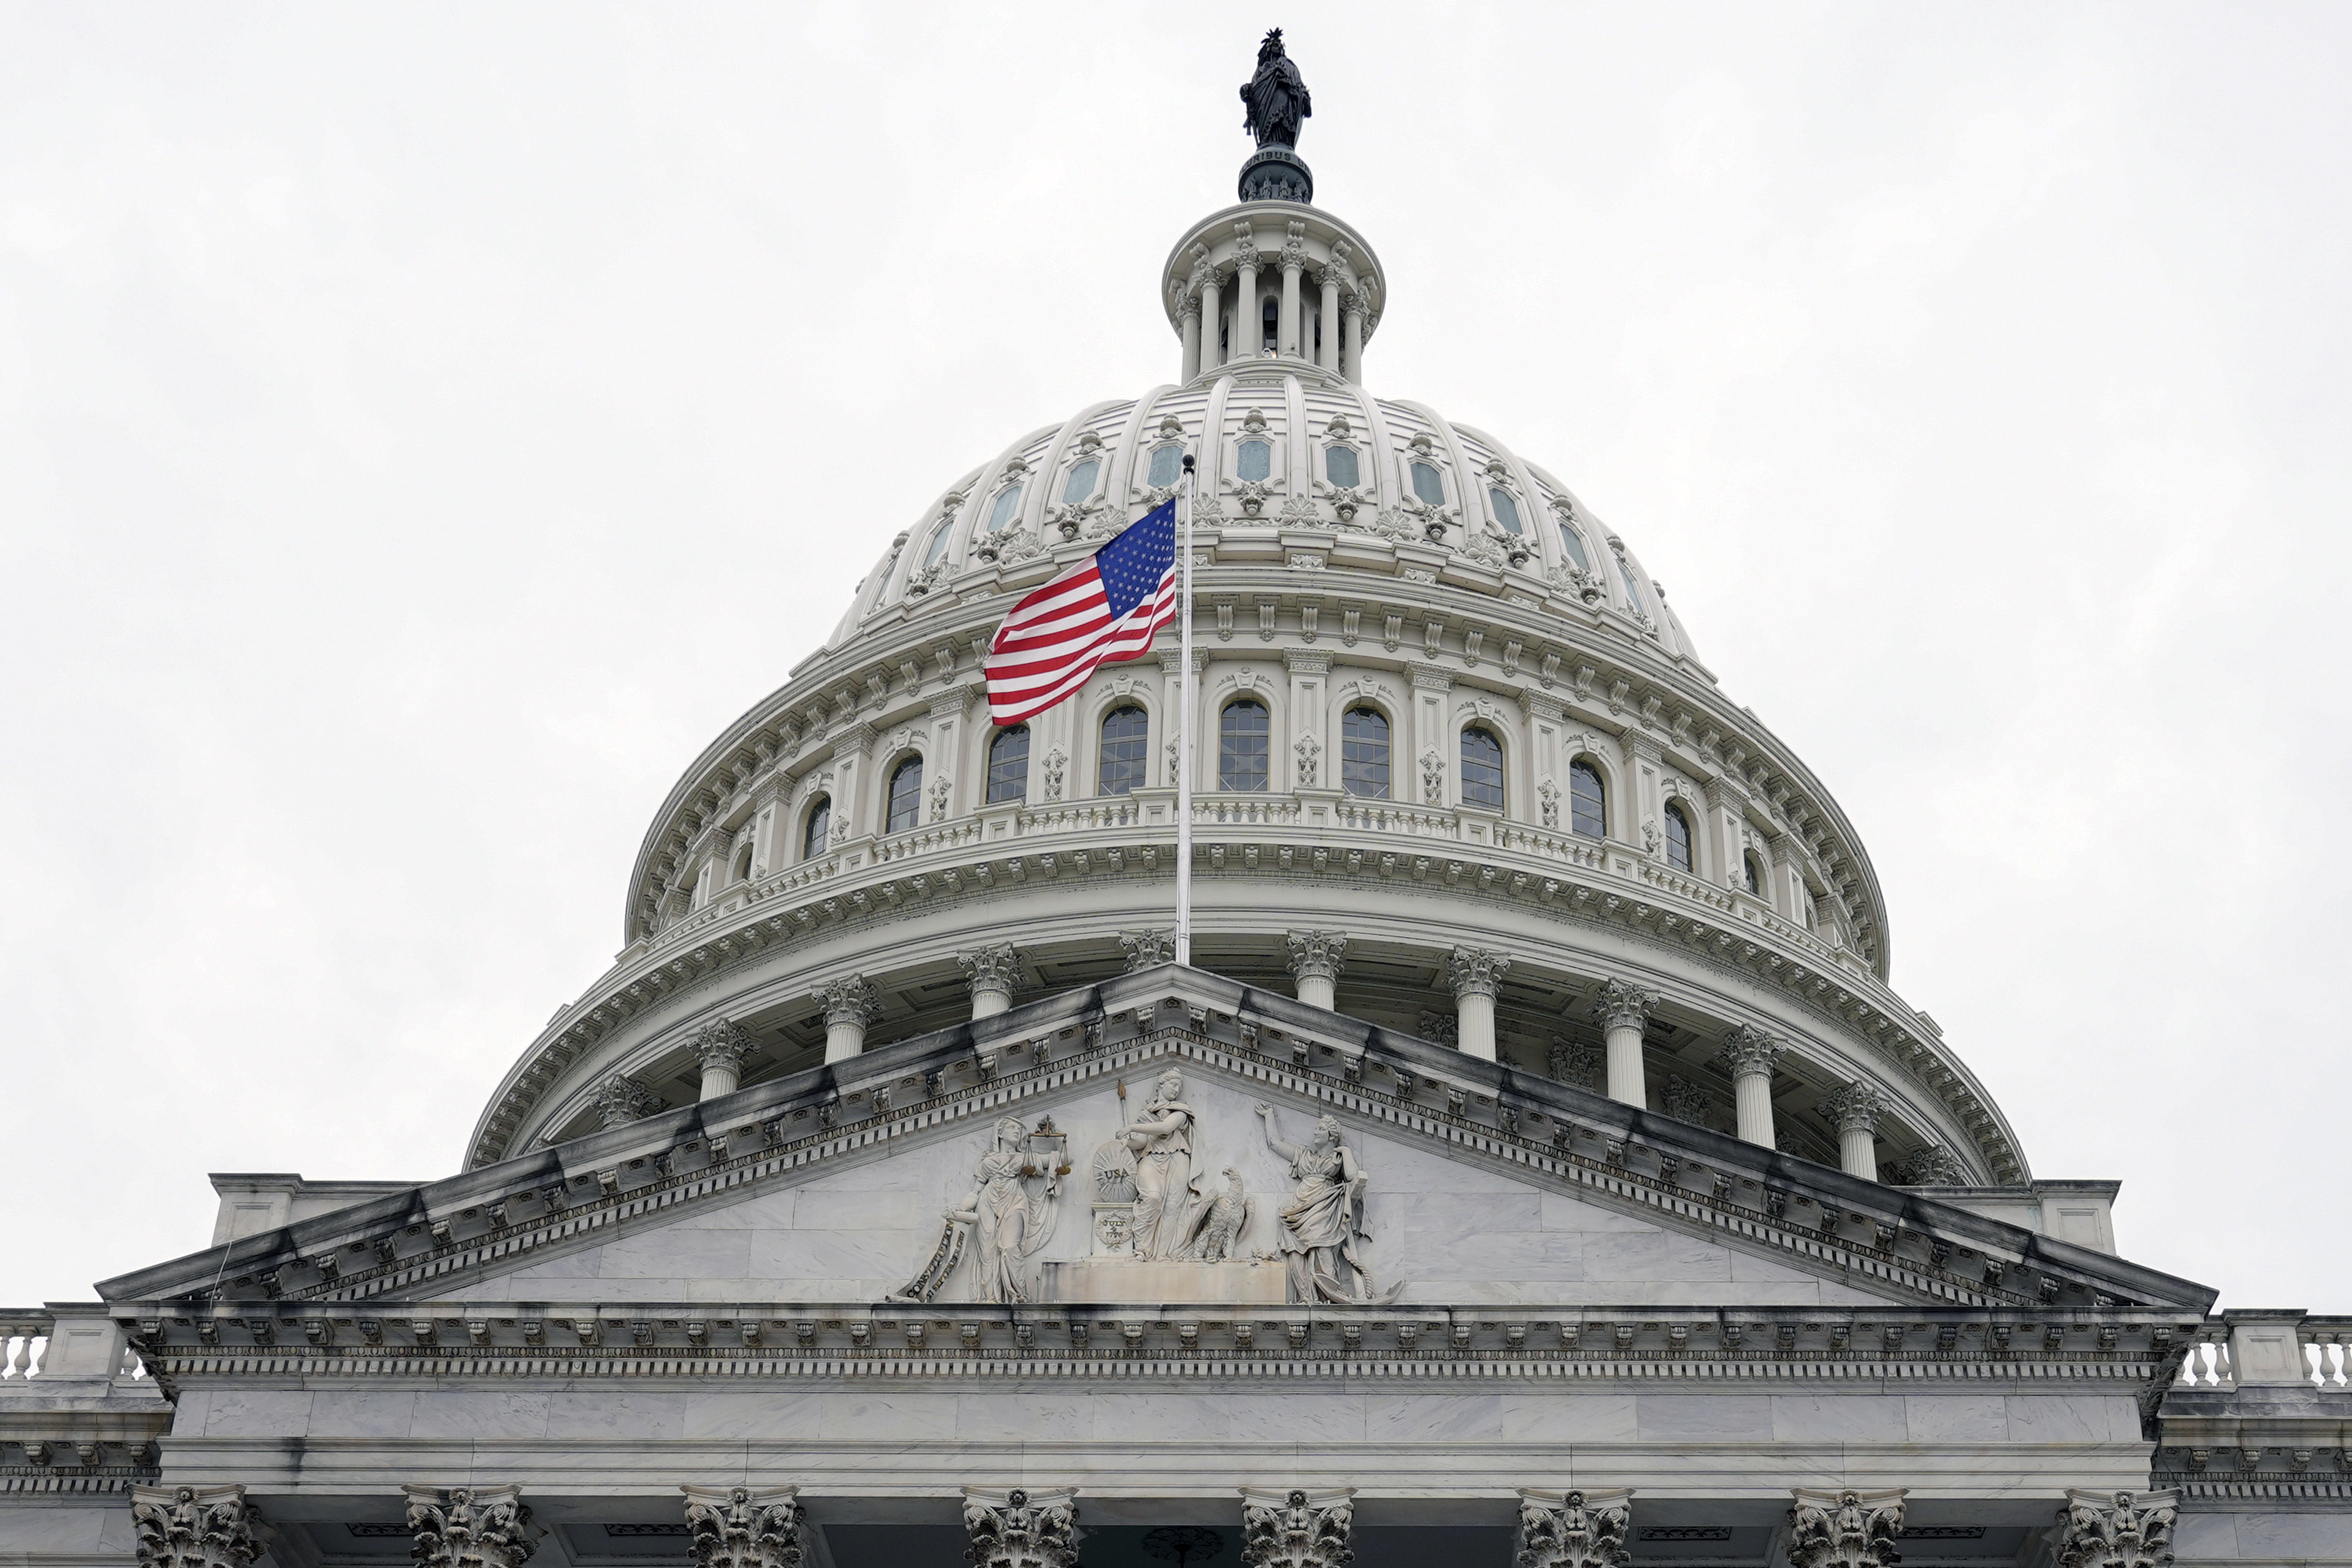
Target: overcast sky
x,y
423,428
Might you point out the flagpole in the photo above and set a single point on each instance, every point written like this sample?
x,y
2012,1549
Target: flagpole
x,y
1185,732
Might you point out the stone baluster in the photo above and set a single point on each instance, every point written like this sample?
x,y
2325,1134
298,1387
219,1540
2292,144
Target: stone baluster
x,y
1844,1529
623,1100
850,1005
721,1047
1475,973
1625,1012
1856,1110
469,1527
1750,1054
194,1527
1314,959
1328,352
740,1527
1573,1530
1297,1528
1288,336
992,972
1019,1528
2116,1529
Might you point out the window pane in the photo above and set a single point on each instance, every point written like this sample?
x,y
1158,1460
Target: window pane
x,y
1586,805
1678,840
1340,466
1427,485
1755,881
1506,510
1008,505
1253,461
1008,764
1632,589
1126,751
939,545
1364,753
1575,548
906,795
1167,465
1082,482
1243,742
1482,769
820,823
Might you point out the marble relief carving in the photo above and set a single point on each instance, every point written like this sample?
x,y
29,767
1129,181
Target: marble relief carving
x,y
194,1527
1019,1528
1323,1234
739,1528
1573,1530
1006,1219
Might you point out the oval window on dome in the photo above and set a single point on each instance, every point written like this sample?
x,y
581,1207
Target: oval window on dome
x,y
938,548
1633,588
1428,485
1575,547
1339,467
1253,461
1007,506
1082,482
1506,510
1167,465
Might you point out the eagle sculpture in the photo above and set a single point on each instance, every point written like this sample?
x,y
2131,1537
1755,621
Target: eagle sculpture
x,y
1227,1216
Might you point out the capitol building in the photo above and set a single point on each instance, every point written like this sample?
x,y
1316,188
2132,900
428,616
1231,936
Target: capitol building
x,y
1532,1164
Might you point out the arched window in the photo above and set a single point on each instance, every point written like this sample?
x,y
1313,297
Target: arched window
x,y
1081,482
1167,465
1574,546
1678,838
1588,801
1428,485
820,824
1126,762
906,795
1007,508
1253,461
1482,769
937,549
1506,510
1632,589
1364,752
1271,317
1244,732
1008,764
1339,467
1755,873
743,865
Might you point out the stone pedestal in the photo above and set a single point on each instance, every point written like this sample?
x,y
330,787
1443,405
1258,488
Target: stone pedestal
x,y
1119,1279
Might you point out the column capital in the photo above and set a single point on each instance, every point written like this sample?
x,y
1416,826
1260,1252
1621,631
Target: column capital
x,y
723,1043
1476,971
1316,953
1573,1530
1748,1051
954,702
2116,1530
993,967
849,1000
1540,705
1620,1006
1146,948
1306,661
1429,677
469,1527
737,1527
1298,1528
1022,1529
1859,1107
623,1100
1844,1529
194,1527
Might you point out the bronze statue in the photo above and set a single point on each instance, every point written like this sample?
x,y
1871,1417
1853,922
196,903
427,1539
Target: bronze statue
x,y
1276,99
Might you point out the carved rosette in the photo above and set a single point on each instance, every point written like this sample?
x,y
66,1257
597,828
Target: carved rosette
x,y
468,1527
740,1527
623,1100
1297,1528
1573,1530
1146,948
1857,1108
1317,954
1844,1529
723,1044
849,1000
1749,1050
991,968
1475,970
1019,1528
1623,1007
194,1527
2116,1530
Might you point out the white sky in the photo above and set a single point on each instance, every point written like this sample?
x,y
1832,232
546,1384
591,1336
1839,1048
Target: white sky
x,y
421,429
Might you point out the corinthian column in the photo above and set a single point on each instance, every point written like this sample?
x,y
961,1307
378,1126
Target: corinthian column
x,y
2116,1530
991,971
1297,1528
1749,1052
1212,320
468,1527
1247,327
1844,1529
1188,318
1573,1530
1476,975
194,1527
1328,355
850,1005
1315,958
1856,1110
1624,1011
740,1527
1352,366
1288,338
1020,1529
721,1047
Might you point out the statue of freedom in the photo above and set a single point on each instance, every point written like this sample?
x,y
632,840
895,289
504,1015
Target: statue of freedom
x,y
1276,99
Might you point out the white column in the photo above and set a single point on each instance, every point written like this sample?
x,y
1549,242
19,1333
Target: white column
x,y
1189,318
1247,328
721,1047
850,1005
1352,366
1286,337
1749,1052
1328,352
992,973
1476,975
1314,959
1211,321
1623,1010
1855,1111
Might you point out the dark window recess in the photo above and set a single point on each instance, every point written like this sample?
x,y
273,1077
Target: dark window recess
x,y
1243,745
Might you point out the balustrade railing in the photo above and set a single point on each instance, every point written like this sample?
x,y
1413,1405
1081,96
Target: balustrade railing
x,y
24,1342
2325,1343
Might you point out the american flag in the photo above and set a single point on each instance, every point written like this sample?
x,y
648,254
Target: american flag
x,y
1105,609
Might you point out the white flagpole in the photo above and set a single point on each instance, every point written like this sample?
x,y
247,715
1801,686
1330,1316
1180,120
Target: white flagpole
x,y
1185,732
